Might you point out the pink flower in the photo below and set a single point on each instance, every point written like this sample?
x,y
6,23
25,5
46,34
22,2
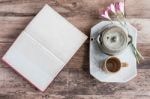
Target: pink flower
x,y
111,8
105,15
119,7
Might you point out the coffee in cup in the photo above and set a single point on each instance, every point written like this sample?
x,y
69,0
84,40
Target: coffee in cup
x,y
113,64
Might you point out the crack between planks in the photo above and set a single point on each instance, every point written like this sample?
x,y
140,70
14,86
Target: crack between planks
x,y
13,14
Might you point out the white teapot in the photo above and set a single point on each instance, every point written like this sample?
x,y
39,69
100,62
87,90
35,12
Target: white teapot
x,y
113,39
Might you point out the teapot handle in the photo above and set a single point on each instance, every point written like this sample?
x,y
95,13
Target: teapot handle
x,y
99,41
129,39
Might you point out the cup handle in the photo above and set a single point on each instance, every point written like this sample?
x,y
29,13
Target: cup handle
x,y
124,64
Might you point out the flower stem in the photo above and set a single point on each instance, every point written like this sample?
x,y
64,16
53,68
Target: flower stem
x,y
137,54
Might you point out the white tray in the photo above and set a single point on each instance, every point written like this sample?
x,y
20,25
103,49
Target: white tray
x,y
97,57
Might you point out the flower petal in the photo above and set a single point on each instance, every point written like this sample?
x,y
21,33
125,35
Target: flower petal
x,y
121,6
105,14
117,7
112,8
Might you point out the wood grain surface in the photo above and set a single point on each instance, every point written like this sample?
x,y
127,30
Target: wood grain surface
x,y
74,81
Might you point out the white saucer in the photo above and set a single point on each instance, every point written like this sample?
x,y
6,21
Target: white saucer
x,y
97,57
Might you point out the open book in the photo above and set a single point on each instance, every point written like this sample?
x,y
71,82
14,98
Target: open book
x,y
44,47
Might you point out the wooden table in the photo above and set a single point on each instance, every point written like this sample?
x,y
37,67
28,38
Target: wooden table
x,y
74,82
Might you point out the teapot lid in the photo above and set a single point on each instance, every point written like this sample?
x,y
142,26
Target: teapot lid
x,y
114,39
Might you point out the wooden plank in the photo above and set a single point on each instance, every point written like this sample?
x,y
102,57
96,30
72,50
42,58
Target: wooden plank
x,y
11,27
109,97
22,96
137,8
74,97
67,7
75,81
81,83
142,25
